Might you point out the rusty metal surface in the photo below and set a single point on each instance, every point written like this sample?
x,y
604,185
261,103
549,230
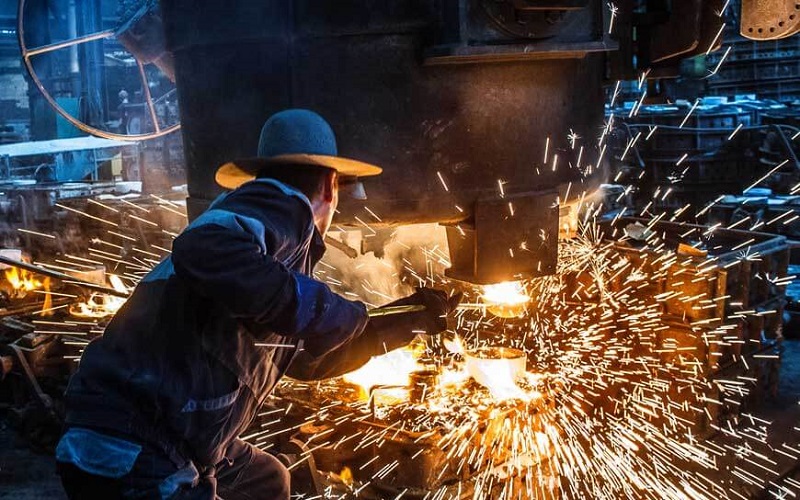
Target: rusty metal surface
x,y
769,19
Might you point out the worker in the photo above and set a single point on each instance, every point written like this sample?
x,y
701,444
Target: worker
x,y
158,402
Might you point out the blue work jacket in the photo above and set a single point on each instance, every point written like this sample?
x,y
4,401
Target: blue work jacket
x,y
207,334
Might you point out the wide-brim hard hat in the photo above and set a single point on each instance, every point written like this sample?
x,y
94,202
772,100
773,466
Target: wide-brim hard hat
x,y
293,137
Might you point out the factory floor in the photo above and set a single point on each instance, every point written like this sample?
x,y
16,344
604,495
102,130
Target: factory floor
x,y
26,474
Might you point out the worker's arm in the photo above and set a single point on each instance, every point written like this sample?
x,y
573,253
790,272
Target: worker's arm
x,y
227,257
381,335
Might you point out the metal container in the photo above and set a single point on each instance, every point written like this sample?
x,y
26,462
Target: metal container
x,y
495,366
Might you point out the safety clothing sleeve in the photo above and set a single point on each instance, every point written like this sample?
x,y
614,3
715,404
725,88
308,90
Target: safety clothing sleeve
x,y
381,335
227,263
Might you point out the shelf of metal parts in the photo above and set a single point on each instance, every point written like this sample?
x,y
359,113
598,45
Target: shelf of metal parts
x,y
676,141
707,121
707,346
700,288
760,69
761,325
790,117
701,170
698,350
782,219
758,275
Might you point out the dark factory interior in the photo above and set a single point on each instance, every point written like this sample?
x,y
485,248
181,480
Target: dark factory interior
x,y
577,274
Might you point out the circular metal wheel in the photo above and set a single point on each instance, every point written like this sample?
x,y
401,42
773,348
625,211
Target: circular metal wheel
x,y
107,76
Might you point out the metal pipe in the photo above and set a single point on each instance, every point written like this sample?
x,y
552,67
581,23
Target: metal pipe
x,y
100,35
391,310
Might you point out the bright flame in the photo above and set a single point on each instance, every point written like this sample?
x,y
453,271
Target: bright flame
x,y
22,281
346,476
392,368
509,292
506,300
100,305
47,307
498,369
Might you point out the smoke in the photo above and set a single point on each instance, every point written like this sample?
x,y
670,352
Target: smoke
x,y
392,263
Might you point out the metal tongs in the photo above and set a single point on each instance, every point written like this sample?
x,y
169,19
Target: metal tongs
x,y
392,310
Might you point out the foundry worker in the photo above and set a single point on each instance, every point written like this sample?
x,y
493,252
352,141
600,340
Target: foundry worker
x,y
157,404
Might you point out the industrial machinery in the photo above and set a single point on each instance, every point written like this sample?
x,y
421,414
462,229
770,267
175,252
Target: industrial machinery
x,y
484,113
469,105
122,93
487,116
640,341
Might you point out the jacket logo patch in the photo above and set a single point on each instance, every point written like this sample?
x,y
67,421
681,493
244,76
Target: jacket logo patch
x,y
219,403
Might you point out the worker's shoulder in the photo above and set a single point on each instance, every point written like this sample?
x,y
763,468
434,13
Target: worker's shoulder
x,y
262,196
268,204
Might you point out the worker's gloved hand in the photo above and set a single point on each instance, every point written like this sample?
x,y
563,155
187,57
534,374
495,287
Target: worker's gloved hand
x,y
437,306
397,330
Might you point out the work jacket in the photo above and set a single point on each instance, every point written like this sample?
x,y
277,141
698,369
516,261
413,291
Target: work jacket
x,y
208,333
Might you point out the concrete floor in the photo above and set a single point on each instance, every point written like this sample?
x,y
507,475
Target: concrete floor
x,y
25,475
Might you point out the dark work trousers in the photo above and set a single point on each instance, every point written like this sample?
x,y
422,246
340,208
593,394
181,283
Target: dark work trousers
x,y
247,473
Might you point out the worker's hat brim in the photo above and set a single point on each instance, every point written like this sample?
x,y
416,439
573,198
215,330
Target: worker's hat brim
x,y
233,174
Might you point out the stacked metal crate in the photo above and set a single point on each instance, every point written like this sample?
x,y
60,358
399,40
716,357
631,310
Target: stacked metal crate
x,y
679,155
690,156
723,315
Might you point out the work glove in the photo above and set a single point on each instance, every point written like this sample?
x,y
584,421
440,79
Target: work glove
x,y
437,306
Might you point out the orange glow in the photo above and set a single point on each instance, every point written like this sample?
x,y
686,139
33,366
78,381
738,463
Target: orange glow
x,y
506,300
47,307
100,305
22,281
346,476
392,368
